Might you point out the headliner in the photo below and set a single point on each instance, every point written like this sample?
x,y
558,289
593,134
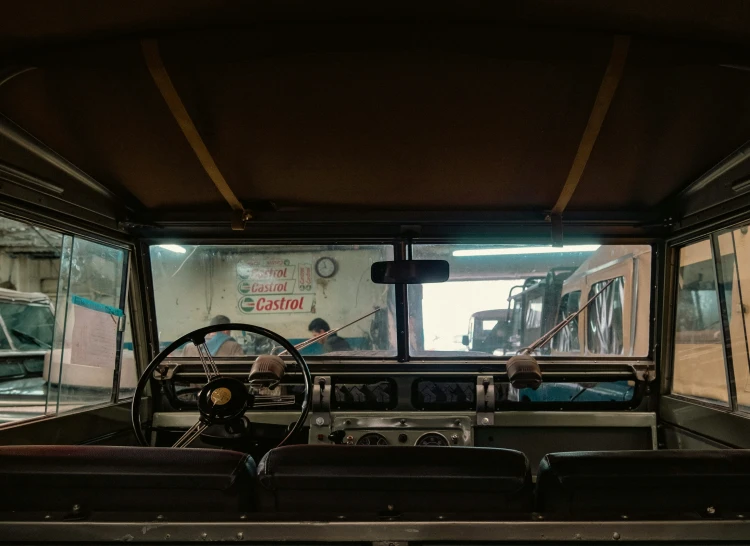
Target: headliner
x,y
307,112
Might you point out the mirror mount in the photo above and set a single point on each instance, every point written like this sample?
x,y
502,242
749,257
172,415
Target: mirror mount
x,y
410,271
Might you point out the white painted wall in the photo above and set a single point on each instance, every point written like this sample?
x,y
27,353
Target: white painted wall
x,y
30,275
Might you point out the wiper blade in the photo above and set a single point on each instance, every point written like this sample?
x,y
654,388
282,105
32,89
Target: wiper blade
x,y
555,329
29,337
324,335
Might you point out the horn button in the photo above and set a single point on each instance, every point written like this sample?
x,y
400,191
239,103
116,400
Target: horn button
x,y
223,400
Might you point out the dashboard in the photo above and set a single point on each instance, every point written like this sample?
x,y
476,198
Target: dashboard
x,y
442,406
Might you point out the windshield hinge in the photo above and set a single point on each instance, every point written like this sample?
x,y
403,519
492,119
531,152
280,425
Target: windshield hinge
x,y
485,400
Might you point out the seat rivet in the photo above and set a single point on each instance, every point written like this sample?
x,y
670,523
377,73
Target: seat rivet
x,y
240,536
616,536
204,536
167,536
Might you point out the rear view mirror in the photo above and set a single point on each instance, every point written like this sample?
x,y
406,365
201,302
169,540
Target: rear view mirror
x,y
410,272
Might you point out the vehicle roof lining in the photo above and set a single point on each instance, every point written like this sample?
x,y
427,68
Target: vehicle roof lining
x,y
327,117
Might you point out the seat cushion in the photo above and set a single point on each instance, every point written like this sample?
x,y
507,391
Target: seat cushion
x,y
382,479
670,483
103,478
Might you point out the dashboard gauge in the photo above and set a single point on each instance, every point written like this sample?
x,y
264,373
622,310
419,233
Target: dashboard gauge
x,y
432,439
372,439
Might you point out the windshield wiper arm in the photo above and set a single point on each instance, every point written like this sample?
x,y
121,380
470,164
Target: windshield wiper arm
x,y
324,335
555,329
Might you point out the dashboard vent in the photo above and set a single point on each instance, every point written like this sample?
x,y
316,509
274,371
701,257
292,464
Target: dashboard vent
x,y
369,394
444,394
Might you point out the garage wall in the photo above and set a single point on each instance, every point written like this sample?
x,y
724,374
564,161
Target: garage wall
x,y
192,288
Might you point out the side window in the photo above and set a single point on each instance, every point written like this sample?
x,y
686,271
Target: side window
x,y
61,321
604,332
698,363
567,340
87,351
734,267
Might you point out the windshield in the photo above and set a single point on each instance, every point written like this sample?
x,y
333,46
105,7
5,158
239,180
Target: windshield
x,y
296,291
498,299
29,326
529,283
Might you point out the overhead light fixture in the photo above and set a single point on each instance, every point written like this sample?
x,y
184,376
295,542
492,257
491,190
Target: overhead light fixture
x,y
514,251
174,248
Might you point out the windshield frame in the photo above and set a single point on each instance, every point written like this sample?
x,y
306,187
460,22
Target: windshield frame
x,y
402,249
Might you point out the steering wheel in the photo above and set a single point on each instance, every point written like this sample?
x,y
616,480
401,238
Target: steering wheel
x,y
224,400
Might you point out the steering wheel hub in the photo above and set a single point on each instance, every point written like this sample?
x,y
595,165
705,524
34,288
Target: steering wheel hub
x,y
222,400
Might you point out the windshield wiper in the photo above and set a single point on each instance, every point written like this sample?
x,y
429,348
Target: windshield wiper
x,y
523,369
324,335
29,338
556,329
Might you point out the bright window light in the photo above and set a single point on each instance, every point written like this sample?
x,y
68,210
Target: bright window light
x,y
174,248
512,251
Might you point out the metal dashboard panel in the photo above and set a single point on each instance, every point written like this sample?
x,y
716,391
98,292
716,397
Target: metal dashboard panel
x,y
406,429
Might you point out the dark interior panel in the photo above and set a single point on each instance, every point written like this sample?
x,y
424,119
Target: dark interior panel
x,y
536,442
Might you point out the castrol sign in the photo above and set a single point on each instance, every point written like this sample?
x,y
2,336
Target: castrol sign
x,y
275,304
278,285
266,287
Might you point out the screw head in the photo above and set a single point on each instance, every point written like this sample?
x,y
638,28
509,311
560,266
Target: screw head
x,y
615,536
76,508
167,536
320,421
240,536
486,421
711,510
204,536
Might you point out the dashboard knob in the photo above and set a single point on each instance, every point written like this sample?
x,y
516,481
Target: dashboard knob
x,y
337,436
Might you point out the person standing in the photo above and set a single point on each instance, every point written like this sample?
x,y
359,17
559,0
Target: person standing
x,y
220,344
331,343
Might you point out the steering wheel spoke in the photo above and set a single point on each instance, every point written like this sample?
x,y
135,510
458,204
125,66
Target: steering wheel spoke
x,y
191,435
209,364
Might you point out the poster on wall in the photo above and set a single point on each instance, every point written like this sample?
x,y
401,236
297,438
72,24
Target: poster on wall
x,y
94,338
277,285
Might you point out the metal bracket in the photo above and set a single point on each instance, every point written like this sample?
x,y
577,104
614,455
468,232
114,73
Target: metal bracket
x,y
320,414
485,400
240,218
556,228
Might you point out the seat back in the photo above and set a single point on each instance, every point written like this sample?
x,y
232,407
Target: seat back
x,y
383,480
644,484
105,479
